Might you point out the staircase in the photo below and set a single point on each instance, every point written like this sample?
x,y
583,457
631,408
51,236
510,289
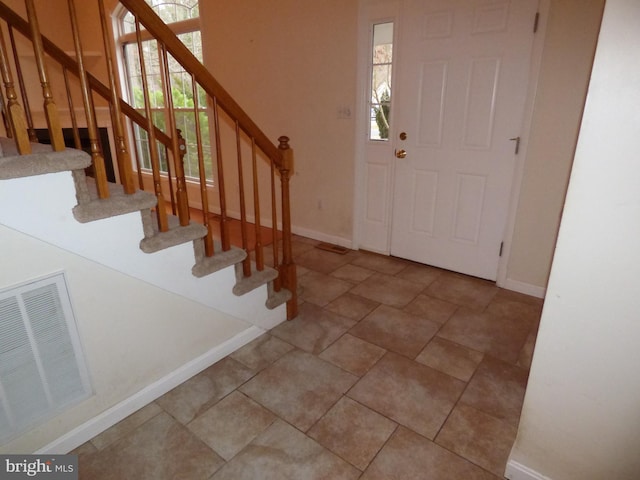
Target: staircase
x,y
159,198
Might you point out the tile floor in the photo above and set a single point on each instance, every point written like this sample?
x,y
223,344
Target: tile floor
x,y
393,370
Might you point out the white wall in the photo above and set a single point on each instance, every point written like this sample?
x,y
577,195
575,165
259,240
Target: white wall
x,y
134,335
581,415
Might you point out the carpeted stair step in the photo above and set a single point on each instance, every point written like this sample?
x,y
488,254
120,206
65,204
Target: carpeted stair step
x,y
155,240
256,279
91,208
221,259
43,160
275,299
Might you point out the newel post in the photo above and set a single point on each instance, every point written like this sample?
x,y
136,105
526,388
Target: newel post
x,y
288,268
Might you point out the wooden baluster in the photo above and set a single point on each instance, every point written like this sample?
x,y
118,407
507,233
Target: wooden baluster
x,y
72,111
181,185
5,118
208,240
172,196
122,152
92,130
224,228
288,269
23,91
137,158
18,125
246,264
50,110
163,223
277,284
256,209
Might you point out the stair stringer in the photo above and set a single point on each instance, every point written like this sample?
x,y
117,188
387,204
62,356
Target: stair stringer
x,y
114,242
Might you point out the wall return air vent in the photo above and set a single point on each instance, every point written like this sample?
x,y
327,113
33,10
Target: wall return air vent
x,y
42,369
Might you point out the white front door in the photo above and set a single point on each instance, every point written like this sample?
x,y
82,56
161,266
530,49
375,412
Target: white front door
x,y
459,96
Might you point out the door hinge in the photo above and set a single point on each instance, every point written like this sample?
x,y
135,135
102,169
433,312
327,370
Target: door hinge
x,y
535,22
501,247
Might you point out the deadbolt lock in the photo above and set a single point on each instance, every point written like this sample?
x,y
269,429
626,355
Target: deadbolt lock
x,y
403,135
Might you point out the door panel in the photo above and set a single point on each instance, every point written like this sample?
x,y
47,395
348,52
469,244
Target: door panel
x,y
461,88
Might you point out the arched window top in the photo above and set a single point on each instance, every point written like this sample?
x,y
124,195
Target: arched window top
x,y
170,11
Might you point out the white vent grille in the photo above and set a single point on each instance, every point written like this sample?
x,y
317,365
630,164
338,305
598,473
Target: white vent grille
x,y
42,370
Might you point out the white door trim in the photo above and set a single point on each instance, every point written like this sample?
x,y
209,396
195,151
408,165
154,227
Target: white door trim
x,y
361,130
532,90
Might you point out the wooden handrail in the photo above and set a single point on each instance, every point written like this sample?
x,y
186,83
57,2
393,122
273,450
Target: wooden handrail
x,y
181,53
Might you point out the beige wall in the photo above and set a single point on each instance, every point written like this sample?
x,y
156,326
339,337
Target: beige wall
x,y
291,65
581,416
571,34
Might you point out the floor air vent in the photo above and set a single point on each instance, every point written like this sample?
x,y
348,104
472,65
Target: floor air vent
x,y
42,369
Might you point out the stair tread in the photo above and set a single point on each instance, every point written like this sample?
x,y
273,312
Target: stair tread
x,y
258,278
43,160
118,203
207,265
176,235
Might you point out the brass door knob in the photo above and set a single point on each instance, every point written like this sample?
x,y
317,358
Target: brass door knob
x,y
401,153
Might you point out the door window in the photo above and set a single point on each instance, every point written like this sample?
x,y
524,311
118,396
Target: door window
x,y
381,69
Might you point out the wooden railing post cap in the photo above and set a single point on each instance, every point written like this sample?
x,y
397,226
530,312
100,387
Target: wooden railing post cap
x,y
284,143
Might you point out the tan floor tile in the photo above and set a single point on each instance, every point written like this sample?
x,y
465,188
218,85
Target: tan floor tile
x,y
380,263
409,393
352,306
431,308
353,354
86,448
126,426
497,388
321,289
478,437
299,387
352,273
450,358
313,330
282,452
261,352
408,456
518,311
231,424
323,261
463,290
395,330
353,432
519,297
526,354
161,449
389,290
498,336
196,395
300,245
422,274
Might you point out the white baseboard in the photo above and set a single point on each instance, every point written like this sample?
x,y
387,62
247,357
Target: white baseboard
x,y
113,415
322,237
526,288
517,471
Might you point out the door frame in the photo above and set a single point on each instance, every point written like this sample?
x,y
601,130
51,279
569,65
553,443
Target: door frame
x,y
391,11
